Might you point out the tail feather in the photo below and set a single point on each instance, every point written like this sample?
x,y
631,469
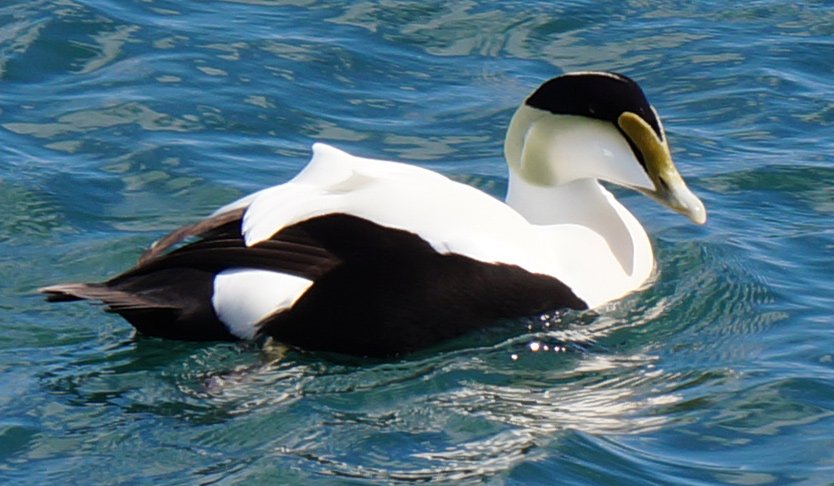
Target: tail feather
x,y
115,300
169,303
62,292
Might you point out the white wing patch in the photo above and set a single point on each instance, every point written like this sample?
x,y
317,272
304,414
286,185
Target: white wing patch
x,y
244,297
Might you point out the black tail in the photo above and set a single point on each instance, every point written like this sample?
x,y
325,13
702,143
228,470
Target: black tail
x,y
158,304
113,298
163,295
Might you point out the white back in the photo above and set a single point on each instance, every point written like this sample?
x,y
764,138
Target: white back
x,y
451,217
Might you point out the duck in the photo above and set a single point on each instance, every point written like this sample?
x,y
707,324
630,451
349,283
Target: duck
x,y
377,258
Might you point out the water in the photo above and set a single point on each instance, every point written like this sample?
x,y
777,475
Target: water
x,y
124,119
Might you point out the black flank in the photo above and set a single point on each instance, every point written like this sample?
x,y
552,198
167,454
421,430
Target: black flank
x,y
394,294
377,291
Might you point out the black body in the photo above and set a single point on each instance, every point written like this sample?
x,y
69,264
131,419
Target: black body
x,y
377,291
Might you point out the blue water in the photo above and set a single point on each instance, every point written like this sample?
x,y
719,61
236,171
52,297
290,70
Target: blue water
x,y
120,120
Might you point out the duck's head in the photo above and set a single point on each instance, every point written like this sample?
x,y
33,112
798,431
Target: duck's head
x,y
596,125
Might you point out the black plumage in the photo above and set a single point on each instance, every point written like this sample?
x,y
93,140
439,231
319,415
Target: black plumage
x,y
377,291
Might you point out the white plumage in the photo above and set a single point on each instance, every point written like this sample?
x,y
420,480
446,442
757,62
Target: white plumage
x,y
598,248
243,297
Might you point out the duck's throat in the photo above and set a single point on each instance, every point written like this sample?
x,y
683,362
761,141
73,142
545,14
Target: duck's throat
x,y
582,202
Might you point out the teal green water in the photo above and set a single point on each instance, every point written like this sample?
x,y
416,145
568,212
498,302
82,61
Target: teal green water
x,y
120,120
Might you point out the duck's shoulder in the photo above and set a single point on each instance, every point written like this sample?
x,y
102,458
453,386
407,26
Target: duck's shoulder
x,y
330,167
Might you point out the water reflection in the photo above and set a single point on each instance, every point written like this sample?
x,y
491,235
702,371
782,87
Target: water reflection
x,y
106,117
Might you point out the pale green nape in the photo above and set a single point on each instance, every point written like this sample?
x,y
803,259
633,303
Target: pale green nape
x,y
546,149
514,146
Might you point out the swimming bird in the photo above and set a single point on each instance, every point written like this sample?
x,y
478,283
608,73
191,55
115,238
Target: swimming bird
x,y
377,258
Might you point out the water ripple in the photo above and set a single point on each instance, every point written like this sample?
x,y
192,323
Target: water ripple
x,y
114,112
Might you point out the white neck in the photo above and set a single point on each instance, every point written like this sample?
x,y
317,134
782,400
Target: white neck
x,y
586,203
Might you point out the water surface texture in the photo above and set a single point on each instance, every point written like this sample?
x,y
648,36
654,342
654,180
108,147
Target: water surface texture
x,y
120,120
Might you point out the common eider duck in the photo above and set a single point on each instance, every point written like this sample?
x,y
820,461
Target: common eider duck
x,y
377,258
